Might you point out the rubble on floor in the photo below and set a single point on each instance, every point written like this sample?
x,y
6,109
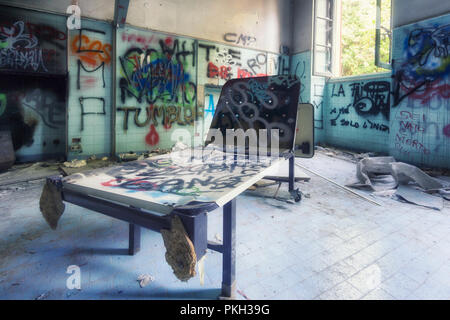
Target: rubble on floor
x,y
21,173
132,156
383,175
145,279
343,154
75,163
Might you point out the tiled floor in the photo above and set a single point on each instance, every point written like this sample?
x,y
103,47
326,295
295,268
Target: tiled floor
x,y
332,245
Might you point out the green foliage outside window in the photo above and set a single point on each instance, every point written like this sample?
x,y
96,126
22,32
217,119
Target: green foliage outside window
x,y
358,36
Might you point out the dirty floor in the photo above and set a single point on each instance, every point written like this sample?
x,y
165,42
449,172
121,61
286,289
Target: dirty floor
x,y
331,245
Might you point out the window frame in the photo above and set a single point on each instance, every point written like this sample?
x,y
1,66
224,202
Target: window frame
x,y
378,62
333,46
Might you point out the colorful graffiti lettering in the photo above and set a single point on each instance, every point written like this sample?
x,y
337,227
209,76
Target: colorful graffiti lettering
x,y
211,106
223,72
90,51
226,63
150,75
168,114
427,61
21,46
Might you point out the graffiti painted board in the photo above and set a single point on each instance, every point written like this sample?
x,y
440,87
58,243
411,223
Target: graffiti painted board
x,y
260,103
164,182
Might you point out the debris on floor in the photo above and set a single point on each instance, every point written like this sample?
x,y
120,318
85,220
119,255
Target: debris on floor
x,y
179,146
264,183
384,175
243,294
145,279
339,185
42,296
75,163
130,156
415,196
19,173
344,154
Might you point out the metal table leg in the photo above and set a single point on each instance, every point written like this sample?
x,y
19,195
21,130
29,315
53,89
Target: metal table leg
x,y
134,239
229,250
291,172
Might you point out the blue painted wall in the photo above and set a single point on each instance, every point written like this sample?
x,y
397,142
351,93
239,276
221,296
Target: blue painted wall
x,y
357,113
313,90
420,112
405,113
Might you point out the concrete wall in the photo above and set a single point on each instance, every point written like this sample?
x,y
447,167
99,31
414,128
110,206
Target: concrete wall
x,y
302,26
263,24
409,11
420,108
357,113
98,9
259,24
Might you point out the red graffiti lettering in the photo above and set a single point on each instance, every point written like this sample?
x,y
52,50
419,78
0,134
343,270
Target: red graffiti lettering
x,y
446,131
152,138
242,73
92,52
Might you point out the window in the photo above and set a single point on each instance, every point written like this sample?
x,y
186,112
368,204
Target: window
x,y
323,37
351,37
383,37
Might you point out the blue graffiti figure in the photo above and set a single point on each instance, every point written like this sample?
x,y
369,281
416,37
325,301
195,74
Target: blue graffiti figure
x,y
211,108
427,51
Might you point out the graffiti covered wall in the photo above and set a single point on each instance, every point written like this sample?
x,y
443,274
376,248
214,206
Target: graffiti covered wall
x,y
89,107
357,114
312,90
33,82
157,88
420,111
32,41
219,63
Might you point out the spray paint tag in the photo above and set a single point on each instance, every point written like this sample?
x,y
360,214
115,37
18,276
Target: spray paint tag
x,y
152,138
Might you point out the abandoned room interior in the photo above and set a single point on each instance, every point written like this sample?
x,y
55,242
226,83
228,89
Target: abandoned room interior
x,y
250,150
